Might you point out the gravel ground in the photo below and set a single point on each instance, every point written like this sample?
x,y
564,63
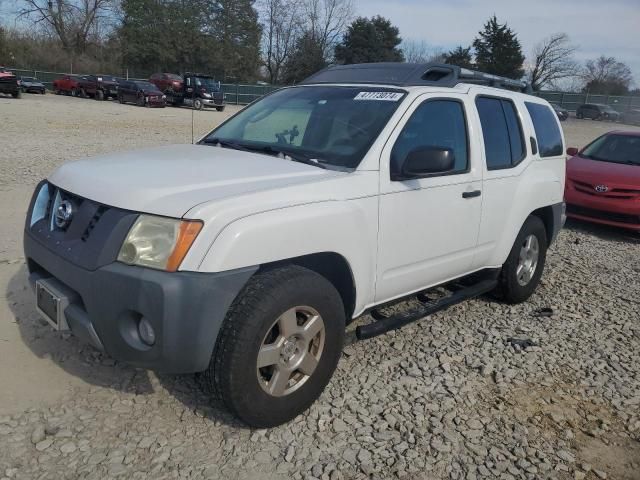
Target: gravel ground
x,y
483,390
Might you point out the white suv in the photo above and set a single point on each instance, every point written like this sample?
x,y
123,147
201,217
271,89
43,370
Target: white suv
x,y
246,255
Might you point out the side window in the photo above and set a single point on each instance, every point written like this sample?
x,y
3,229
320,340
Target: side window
x,y
502,133
435,123
547,131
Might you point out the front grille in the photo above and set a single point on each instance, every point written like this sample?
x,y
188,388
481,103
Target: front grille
x,y
613,192
93,235
603,215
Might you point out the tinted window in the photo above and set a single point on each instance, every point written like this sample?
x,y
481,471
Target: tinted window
x,y
503,141
547,131
435,123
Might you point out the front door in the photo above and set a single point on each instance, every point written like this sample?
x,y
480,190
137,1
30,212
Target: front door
x,y
429,226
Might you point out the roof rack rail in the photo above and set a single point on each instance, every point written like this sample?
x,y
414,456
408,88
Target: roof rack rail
x,y
412,74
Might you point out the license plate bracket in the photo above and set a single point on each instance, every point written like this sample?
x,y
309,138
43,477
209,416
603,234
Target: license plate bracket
x,y
52,298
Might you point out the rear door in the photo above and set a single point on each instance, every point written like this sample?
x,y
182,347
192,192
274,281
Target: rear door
x,y
429,226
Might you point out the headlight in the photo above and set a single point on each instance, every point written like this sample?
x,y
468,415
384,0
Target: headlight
x,y
158,242
206,95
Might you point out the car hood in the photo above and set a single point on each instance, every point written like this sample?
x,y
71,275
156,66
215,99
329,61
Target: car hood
x,y
171,180
594,171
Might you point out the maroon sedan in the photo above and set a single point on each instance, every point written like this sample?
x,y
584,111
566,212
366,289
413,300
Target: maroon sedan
x,y
603,181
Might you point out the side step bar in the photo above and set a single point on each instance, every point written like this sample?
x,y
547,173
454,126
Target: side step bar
x,y
384,324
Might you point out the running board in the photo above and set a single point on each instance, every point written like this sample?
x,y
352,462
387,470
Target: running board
x,y
384,324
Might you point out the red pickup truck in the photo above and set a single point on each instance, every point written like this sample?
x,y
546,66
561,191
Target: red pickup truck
x,y
67,84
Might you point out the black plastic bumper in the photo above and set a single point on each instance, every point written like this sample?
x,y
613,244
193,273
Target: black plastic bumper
x,y
186,309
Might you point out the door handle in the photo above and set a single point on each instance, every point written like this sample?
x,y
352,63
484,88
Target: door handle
x,y
471,194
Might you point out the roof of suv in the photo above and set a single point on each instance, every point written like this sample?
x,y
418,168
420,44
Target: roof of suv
x,y
412,74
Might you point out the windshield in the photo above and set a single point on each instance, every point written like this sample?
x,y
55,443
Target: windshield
x,y
614,148
333,125
210,83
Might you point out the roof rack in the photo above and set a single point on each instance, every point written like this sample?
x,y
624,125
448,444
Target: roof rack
x,y
412,74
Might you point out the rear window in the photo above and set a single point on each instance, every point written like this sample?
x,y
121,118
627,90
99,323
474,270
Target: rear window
x,y
502,133
547,130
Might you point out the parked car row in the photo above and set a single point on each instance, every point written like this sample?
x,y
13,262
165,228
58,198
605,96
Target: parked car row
x,y
193,89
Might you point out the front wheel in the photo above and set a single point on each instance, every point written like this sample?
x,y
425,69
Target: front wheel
x,y
521,272
220,109
197,104
278,347
579,116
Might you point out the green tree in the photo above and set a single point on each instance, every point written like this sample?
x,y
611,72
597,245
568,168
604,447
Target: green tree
x,y
498,50
306,59
236,32
370,40
460,56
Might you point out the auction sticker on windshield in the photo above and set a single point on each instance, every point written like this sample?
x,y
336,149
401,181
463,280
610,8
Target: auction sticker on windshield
x,y
384,96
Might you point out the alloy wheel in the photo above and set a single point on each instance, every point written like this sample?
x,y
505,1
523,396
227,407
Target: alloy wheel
x,y
528,260
290,351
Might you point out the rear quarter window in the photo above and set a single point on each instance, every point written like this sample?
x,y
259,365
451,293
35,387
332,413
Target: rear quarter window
x,y
547,131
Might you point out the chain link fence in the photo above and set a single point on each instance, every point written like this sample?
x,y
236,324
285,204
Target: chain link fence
x,y
571,101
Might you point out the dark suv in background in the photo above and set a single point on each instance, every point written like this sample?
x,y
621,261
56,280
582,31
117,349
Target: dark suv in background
x,y
597,111
100,87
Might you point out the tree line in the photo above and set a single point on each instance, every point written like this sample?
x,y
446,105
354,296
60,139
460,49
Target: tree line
x,y
276,41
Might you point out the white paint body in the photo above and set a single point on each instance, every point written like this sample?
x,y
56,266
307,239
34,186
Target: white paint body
x,y
398,237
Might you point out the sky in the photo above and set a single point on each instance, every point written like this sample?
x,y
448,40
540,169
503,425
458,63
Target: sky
x,y
596,27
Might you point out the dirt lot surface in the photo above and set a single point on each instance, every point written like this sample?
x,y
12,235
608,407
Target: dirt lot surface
x,y
452,396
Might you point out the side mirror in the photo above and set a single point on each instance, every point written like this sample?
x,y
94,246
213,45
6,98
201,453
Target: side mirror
x,y
572,151
424,161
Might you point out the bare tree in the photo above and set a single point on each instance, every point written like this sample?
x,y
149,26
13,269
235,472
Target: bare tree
x,y
327,20
421,52
552,61
282,28
72,21
606,75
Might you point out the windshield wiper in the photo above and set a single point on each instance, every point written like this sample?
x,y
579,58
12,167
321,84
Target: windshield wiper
x,y
295,156
226,144
267,149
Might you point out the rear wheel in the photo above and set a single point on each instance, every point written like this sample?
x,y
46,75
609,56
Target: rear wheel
x,y
99,95
278,347
521,272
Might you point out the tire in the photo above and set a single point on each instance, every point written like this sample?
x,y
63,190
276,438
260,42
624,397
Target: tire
x,y
99,95
140,101
220,109
121,99
511,288
197,104
83,93
74,92
17,94
579,115
253,321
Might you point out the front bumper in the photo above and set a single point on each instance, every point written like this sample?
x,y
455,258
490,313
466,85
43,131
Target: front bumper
x,y
210,102
186,309
623,213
